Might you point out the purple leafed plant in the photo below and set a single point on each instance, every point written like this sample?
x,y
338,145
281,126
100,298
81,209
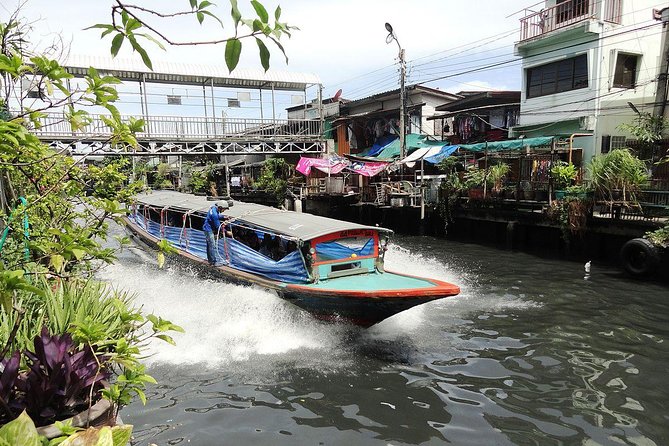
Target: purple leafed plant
x,y
58,381
8,375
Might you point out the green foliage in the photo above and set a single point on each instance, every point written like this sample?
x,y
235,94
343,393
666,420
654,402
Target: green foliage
x,y
274,178
162,178
447,165
69,307
95,316
496,175
571,213
22,432
659,237
66,224
646,127
450,189
110,181
475,178
128,25
618,170
563,174
51,287
164,248
200,178
198,181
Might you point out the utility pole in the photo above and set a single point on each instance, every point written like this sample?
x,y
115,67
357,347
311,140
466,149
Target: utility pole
x,y
403,72
661,91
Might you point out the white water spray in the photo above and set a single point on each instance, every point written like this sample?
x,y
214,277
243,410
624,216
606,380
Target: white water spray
x,y
230,325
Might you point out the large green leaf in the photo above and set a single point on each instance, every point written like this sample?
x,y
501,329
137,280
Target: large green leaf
x,y
233,49
121,434
20,432
264,54
260,10
117,41
234,13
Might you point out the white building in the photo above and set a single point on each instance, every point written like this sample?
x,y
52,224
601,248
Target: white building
x,y
583,61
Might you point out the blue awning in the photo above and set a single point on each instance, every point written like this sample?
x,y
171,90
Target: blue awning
x,y
445,151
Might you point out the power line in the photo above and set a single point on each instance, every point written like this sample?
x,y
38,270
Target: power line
x,y
507,62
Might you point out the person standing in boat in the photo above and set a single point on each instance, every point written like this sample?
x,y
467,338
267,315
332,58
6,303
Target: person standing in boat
x,y
211,226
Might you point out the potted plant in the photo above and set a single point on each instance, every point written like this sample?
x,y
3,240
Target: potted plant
x,y
73,354
618,176
563,175
474,180
496,175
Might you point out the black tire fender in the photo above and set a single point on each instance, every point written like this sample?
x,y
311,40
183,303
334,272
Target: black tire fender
x,y
639,257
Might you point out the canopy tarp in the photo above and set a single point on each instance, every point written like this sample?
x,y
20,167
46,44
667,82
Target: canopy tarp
x,y
512,144
367,169
228,251
444,152
378,146
333,164
413,142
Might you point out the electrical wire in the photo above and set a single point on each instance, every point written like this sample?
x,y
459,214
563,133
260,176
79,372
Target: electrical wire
x,y
517,60
411,63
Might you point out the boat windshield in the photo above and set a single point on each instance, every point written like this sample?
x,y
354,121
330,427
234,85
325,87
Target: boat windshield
x,y
345,248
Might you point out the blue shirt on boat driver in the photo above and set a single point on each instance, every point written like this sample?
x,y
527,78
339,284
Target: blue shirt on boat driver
x,y
213,220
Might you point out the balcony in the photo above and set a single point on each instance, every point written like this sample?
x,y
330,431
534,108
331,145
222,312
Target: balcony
x,y
567,13
190,129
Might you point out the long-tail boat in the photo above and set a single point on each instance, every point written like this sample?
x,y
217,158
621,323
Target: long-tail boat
x,y
333,269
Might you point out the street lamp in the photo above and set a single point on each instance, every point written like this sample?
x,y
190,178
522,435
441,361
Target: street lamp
x,y
391,36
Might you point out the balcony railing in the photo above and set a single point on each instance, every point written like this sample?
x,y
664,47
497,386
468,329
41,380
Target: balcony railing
x,y
190,129
568,13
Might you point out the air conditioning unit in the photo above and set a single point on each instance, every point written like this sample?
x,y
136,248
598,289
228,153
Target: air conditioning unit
x,y
173,99
31,89
233,103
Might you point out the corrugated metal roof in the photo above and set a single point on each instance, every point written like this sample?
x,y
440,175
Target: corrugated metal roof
x,y
483,98
188,73
298,225
395,92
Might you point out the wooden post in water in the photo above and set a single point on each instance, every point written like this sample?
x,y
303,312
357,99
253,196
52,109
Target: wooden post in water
x,y
485,173
422,190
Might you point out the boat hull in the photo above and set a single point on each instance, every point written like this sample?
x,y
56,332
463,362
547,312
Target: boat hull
x,y
360,307
361,311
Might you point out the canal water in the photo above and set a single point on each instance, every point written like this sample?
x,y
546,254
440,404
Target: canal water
x,y
533,352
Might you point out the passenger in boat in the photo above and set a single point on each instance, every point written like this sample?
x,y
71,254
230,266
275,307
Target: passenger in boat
x,y
266,246
252,240
275,251
290,246
211,227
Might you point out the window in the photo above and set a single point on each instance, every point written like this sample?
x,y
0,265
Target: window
x,y
618,142
570,9
625,73
556,77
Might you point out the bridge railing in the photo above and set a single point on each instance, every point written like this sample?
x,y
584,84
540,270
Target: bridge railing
x,y
189,128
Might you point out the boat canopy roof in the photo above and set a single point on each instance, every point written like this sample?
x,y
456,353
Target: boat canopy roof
x,y
297,225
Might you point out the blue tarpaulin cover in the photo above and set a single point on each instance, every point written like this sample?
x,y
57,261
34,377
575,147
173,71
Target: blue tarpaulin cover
x,y
230,252
335,251
445,152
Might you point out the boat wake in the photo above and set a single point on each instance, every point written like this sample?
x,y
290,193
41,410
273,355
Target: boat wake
x,y
244,327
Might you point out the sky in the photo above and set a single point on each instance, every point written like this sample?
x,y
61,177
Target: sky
x,y
341,41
